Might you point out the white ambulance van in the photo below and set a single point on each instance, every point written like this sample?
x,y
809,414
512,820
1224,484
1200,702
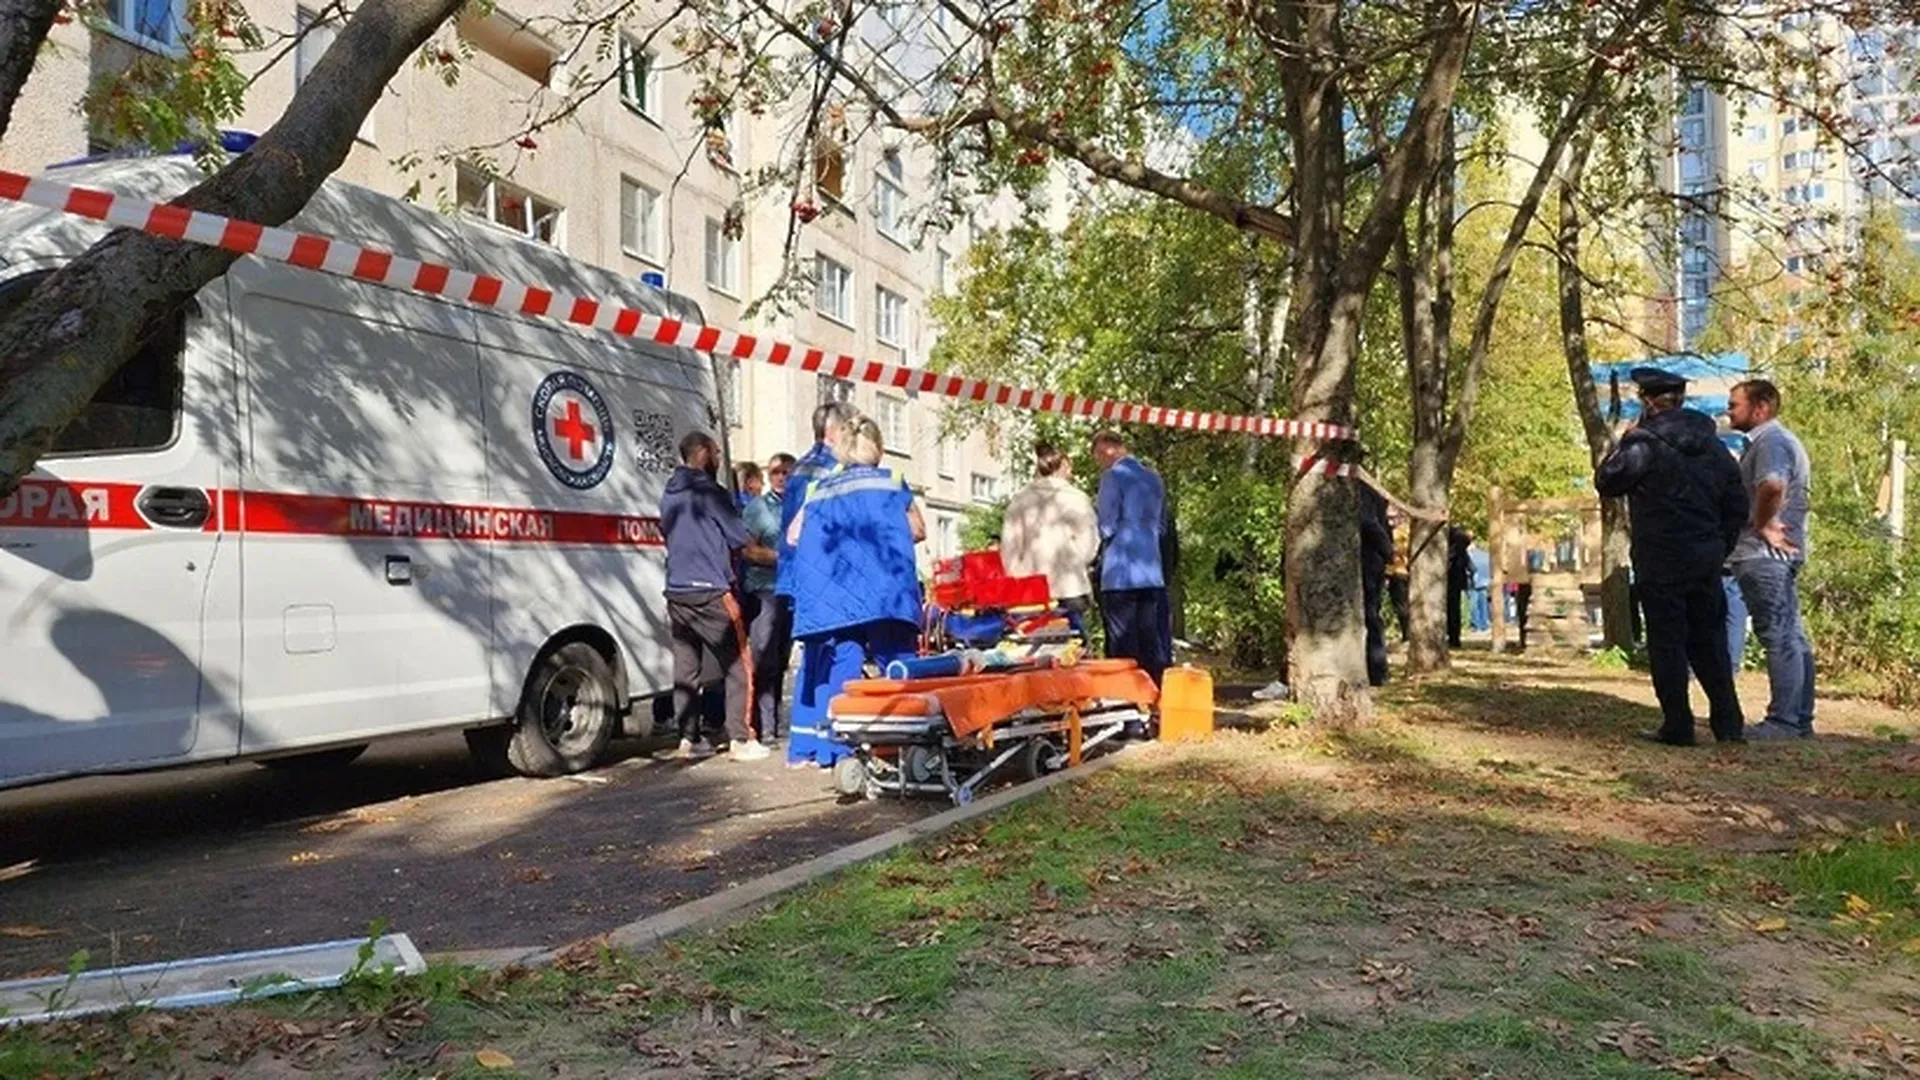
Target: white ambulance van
x,y
314,513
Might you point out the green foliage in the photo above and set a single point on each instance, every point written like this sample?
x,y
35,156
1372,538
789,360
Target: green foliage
x,y
163,100
981,526
1139,300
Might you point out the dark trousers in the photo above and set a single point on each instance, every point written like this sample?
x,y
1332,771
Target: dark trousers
x,y
1132,618
1456,592
770,630
1078,608
1372,585
1687,628
1522,597
710,625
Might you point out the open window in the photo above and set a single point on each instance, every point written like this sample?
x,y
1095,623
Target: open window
x,y
139,407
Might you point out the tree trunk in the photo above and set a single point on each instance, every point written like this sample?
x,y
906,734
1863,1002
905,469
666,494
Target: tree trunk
x,y
1426,314
1616,603
24,25
84,322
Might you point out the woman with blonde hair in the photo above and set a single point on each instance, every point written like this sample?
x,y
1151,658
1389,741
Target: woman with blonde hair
x,y
856,585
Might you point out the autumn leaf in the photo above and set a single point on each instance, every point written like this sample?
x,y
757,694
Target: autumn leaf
x,y
492,1059
1857,905
1770,926
27,931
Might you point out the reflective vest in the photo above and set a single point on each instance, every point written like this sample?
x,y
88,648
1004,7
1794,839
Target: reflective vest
x,y
854,563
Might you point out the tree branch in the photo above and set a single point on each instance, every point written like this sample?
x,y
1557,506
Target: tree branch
x,y
24,25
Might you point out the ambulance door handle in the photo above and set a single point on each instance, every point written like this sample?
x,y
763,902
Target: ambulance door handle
x,y
176,508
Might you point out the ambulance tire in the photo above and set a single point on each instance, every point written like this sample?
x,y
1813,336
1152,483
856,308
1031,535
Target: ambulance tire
x,y
338,757
569,711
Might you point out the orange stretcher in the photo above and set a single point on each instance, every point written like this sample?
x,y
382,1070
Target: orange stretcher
x,y
948,736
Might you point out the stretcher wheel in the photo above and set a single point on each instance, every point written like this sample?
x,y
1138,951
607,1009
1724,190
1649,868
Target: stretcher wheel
x,y
962,796
850,776
1039,758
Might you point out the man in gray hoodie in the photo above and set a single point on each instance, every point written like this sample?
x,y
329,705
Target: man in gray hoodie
x,y
704,532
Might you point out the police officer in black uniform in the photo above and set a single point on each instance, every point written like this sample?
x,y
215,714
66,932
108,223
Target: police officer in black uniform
x,y
1686,505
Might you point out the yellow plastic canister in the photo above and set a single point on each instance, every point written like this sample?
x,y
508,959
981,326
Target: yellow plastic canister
x,y
1186,704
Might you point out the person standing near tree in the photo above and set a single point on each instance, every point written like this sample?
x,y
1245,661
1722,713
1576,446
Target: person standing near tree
x,y
1050,528
1376,551
1459,579
1772,549
1132,512
1685,504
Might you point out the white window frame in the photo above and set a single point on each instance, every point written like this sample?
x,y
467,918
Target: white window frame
x,y
722,259
946,531
827,269
890,197
896,425
992,485
115,19
887,303
643,223
494,187
641,96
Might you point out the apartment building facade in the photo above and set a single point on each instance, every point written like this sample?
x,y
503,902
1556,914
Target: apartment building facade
x,y
634,181
1768,190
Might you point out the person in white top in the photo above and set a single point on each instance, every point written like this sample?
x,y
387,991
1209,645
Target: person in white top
x,y
1051,529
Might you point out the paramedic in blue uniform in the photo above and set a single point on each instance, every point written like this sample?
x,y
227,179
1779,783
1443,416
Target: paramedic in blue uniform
x,y
830,423
1132,512
856,585
1685,507
704,534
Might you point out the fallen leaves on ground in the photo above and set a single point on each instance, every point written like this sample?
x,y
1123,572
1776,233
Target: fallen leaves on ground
x,y
1268,1009
1636,1041
492,1059
24,930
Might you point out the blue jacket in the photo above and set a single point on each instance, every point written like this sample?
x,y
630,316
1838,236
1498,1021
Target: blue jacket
x,y
1132,509
763,516
703,530
812,465
854,564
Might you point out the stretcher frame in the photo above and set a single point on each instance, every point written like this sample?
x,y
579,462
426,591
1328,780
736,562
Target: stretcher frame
x,y
870,773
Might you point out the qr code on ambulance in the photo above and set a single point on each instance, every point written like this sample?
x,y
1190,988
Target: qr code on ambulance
x,y
654,446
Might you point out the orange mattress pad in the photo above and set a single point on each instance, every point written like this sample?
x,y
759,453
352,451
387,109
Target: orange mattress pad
x,y
972,703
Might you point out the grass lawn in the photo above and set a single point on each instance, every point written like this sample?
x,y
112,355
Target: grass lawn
x,y
1493,880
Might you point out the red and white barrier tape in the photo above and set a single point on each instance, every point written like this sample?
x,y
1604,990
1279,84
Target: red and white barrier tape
x,y
1314,463
378,267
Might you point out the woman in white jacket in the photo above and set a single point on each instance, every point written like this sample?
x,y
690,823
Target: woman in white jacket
x,y
1051,529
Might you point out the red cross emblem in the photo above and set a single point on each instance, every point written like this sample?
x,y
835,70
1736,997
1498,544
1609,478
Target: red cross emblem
x,y
575,430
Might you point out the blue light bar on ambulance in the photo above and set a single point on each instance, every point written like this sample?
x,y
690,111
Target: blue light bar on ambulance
x,y
233,142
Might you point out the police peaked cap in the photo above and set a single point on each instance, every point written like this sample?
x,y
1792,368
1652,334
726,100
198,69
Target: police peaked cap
x,y
1652,381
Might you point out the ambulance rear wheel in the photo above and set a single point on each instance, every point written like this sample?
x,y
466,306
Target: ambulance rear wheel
x,y
568,713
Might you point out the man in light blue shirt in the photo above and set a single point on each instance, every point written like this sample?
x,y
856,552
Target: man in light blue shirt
x,y
1133,584
1772,548
770,624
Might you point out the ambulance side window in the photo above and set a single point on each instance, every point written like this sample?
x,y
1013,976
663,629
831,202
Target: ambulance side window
x,y
139,407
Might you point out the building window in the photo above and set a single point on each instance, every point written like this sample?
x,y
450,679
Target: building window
x,y
1693,133
943,270
639,78
1694,260
946,536
984,488
643,222
946,458
1756,134
891,414
890,318
512,208
832,390
890,197
734,394
1693,287
723,259
1695,101
833,290
507,39
159,23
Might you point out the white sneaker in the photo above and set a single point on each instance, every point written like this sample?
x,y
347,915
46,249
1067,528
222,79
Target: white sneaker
x,y
685,749
749,750
1273,691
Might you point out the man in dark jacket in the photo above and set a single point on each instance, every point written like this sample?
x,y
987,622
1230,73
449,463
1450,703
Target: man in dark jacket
x,y
1376,551
704,532
1459,579
1686,504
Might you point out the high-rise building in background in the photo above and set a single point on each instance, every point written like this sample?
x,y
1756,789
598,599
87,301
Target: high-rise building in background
x,y
637,182
1769,188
